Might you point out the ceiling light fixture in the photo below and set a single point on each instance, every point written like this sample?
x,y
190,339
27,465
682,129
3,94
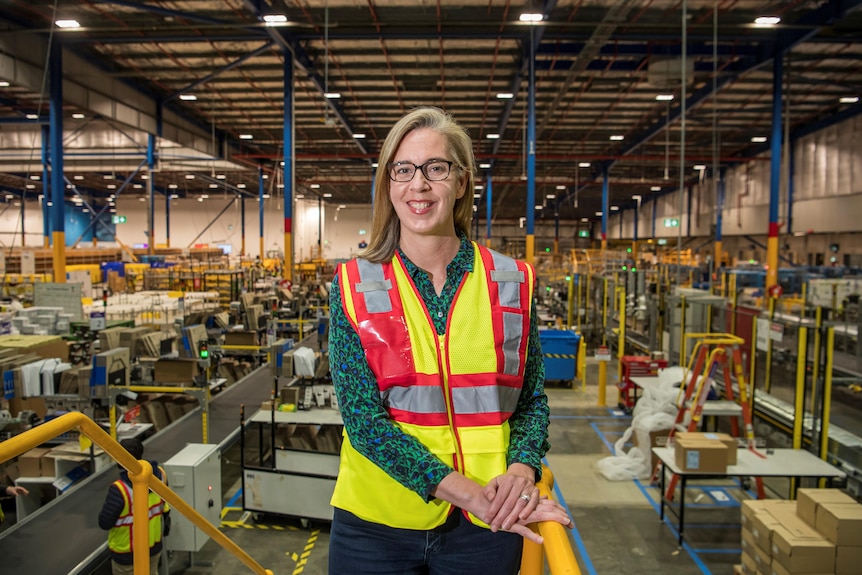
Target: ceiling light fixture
x,y
78,177
637,197
664,97
327,195
485,166
205,196
477,187
145,177
314,186
170,186
78,116
655,188
34,177
615,208
30,186
275,19
67,24
599,214
551,196
220,176
32,116
112,186
617,138
107,177
137,186
241,186
505,95
493,136
700,167
246,137
332,95
561,187
539,206
477,196
359,136
849,99
213,186
174,196
584,165
758,139
266,196
531,17
190,176
4,84
188,97
767,20
374,164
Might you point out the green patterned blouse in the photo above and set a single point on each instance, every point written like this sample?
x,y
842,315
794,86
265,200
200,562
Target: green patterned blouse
x,y
370,430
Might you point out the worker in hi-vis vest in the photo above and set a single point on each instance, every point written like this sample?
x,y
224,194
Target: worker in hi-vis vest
x,y
116,517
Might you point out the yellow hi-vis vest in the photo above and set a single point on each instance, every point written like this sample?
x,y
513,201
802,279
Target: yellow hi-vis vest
x,y
120,535
454,393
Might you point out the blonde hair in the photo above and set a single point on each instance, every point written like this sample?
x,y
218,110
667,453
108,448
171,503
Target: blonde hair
x,y
385,226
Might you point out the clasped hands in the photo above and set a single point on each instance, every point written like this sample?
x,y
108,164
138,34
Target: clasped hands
x,y
515,502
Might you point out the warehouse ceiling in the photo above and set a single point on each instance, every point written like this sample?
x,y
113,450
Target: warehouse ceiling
x,y
599,67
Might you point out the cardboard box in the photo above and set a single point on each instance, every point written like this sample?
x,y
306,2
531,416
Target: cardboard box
x,y
762,559
799,548
241,338
749,565
847,560
726,439
45,346
840,523
750,507
289,395
176,370
35,404
762,525
30,462
702,456
808,499
737,570
779,569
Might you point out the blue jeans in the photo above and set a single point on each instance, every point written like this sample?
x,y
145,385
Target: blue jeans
x,y
358,547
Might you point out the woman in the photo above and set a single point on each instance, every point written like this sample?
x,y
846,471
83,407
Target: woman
x,y
438,371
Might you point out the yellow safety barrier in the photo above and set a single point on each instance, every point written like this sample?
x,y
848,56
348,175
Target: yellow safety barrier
x,y
141,474
557,546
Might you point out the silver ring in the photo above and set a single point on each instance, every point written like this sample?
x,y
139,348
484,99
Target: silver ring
x,y
525,497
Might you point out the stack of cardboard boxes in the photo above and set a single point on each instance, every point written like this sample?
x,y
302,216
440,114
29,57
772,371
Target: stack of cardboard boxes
x,y
704,452
819,533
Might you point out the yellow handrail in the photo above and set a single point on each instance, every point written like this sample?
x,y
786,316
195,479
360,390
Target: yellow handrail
x,y
557,545
141,474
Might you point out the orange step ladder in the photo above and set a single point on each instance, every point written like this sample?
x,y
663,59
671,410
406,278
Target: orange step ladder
x,y
709,354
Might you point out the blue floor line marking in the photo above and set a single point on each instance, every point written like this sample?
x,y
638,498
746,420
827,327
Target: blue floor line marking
x,y
717,551
573,533
233,499
603,438
688,549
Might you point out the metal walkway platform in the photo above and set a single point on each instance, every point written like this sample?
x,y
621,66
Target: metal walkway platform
x,y
64,536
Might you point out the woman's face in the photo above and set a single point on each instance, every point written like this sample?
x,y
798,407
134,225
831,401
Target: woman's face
x,y
425,208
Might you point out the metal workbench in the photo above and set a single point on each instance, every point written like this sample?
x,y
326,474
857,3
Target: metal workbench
x,y
64,536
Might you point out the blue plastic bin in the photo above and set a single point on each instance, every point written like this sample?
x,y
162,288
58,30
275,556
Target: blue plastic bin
x,y
560,351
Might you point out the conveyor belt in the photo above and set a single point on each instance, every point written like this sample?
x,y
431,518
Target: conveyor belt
x,y
64,536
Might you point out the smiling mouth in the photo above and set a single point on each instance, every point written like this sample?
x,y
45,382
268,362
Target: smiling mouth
x,y
419,205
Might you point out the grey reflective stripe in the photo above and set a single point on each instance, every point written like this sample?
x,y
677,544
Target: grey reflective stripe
x,y
485,399
373,287
512,334
508,278
415,399
363,287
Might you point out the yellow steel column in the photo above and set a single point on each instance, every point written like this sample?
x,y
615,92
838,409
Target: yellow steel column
x,y
799,398
605,313
768,381
579,302
718,255
771,261
556,245
621,344
818,323
287,272
752,360
59,257
603,383
570,298
827,397
531,246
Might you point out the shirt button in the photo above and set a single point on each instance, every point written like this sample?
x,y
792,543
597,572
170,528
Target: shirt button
x,y
439,314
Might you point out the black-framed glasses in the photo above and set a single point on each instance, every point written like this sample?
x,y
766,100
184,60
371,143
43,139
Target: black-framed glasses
x,y
434,170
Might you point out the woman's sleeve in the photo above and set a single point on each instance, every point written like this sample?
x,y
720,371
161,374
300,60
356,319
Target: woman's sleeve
x,y
368,426
529,423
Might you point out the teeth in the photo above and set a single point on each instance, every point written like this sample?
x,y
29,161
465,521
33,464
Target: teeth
x,y
420,205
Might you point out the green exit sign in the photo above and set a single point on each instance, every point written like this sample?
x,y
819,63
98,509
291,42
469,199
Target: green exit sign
x,y
118,219
671,223
583,233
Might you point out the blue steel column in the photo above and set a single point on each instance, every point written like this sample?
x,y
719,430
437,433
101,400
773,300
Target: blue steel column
x,y
46,186
488,202
58,185
719,218
775,171
605,208
790,171
151,192
260,207
287,270
531,152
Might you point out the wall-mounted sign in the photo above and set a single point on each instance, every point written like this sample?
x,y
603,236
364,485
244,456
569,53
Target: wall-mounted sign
x,y
118,219
583,233
671,222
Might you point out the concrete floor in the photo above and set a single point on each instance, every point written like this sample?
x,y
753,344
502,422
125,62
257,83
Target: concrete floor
x,y
617,523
